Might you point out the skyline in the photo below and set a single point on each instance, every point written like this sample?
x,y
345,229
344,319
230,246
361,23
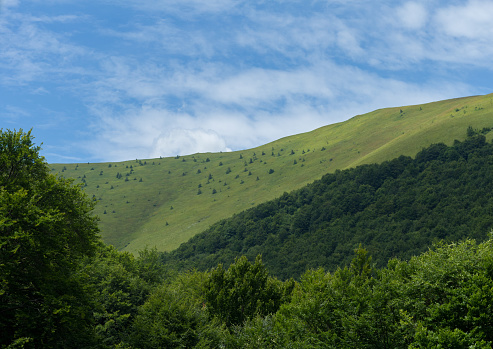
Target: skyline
x,y
114,81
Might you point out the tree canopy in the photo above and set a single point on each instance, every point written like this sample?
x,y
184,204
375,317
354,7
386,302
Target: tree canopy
x,y
46,227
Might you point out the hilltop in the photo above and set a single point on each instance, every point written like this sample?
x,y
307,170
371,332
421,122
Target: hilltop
x,y
163,202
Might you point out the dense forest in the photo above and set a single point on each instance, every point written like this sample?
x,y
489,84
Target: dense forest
x,y
395,209
61,287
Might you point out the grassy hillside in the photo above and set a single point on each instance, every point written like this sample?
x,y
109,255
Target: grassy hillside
x,y
397,208
156,202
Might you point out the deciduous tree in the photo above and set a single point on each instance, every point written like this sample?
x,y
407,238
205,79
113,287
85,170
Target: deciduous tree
x,y
46,226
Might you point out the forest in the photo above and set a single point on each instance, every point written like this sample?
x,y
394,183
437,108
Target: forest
x,y
395,255
395,209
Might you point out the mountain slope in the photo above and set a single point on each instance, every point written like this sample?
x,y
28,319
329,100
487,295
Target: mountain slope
x,y
164,202
395,209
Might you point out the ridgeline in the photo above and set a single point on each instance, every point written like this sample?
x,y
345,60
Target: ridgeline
x,y
164,202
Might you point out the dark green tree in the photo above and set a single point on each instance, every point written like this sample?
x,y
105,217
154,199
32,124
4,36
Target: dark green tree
x,y
46,227
175,316
244,291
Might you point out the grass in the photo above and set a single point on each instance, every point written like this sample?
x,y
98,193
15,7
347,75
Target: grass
x,y
156,202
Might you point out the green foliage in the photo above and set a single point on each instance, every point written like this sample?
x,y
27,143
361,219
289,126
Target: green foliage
x,y
440,299
116,290
449,291
46,227
174,316
243,291
60,288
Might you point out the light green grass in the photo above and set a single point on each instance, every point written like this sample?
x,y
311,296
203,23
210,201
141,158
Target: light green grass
x,y
164,210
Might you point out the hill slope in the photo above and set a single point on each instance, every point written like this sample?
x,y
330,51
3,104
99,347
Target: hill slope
x,y
395,209
164,202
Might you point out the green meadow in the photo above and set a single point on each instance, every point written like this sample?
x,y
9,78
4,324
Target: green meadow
x,y
163,202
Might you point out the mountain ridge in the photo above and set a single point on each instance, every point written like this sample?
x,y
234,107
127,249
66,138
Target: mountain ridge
x,y
165,201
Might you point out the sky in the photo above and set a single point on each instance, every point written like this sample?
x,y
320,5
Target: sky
x,y
115,80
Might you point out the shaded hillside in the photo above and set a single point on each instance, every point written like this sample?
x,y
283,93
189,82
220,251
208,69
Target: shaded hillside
x,y
164,202
395,209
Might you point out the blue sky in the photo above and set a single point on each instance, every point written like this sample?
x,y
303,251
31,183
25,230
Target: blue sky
x,y
113,80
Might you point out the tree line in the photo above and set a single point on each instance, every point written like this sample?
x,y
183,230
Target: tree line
x,y
61,287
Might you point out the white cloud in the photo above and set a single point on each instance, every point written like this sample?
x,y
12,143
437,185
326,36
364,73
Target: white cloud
x,y
169,38
412,15
265,85
187,141
418,35
8,3
213,82
182,8
40,91
30,52
346,39
289,33
149,133
472,20
242,110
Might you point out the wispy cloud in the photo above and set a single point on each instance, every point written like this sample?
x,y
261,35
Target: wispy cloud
x,y
412,15
247,109
185,76
471,20
31,52
4,4
181,8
